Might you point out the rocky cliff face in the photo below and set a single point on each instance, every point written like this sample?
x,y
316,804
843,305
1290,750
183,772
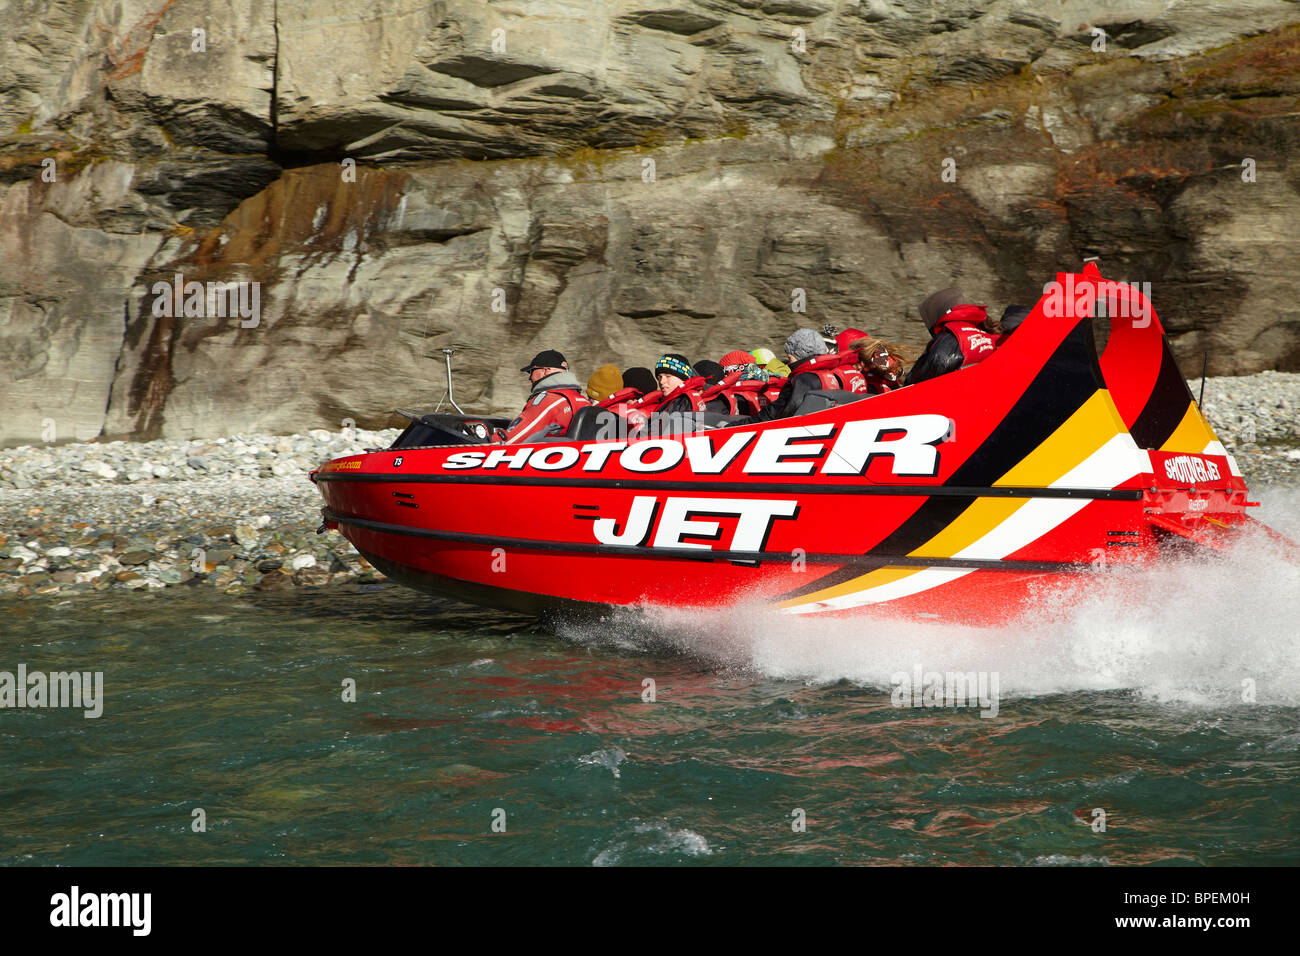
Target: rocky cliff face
x,y
609,178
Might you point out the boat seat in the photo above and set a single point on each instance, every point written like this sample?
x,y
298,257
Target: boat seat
x,y
822,399
681,423
590,423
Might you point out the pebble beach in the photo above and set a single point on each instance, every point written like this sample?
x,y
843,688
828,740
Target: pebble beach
x,y
231,513
238,513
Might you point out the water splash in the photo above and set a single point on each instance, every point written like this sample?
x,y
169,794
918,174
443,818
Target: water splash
x,y
609,758
1200,631
648,840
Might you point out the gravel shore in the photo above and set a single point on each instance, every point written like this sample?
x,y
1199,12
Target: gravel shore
x,y
231,513
239,513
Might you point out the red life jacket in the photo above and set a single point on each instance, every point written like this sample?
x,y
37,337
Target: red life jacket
x,y
772,389
836,370
550,410
702,394
963,322
631,398
748,397
621,396
879,386
633,406
742,398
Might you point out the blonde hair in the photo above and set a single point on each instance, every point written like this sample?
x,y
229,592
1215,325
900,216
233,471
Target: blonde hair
x,y
867,345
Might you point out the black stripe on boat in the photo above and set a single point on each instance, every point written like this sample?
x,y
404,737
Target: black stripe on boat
x,y
732,487
861,561
1166,406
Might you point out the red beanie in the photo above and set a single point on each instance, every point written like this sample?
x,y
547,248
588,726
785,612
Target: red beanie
x,y
737,358
847,338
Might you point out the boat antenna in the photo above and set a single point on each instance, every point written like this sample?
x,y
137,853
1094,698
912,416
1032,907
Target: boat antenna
x,y
449,352
1205,361
448,396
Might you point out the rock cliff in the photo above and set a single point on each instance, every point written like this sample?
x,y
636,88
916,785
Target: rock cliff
x,y
611,178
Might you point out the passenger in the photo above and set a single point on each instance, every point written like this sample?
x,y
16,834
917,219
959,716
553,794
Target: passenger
x,y
1012,316
709,370
672,371
683,382
555,396
838,366
962,335
747,395
768,361
800,348
744,363
881,364
640,378
604,382
634,403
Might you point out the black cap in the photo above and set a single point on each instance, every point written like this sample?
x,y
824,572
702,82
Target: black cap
x,y
709,370
548,358
1013,315
640,378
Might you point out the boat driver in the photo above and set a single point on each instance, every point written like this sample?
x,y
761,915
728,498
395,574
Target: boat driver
x,y
556,394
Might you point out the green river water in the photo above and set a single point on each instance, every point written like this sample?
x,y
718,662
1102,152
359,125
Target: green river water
x,y
466,719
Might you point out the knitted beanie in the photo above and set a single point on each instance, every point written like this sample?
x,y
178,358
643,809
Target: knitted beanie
x,y
737,358
640,378
675,364
804,344
604,382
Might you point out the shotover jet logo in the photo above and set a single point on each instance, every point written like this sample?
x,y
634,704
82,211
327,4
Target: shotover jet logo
x,y
908,442
1190,469
699,518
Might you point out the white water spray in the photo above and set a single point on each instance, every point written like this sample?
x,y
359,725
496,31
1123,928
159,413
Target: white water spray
x,y
1203,631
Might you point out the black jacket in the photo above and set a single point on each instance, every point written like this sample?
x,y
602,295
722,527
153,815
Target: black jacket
x,y
941,356
683,403
793,392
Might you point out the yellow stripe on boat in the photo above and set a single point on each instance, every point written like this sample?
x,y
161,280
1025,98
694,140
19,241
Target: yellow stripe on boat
x,y
872,579
1192,434
1095,422
981,517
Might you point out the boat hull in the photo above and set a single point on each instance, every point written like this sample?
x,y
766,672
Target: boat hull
x,y
969,596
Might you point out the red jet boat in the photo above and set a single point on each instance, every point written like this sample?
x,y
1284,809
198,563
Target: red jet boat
x,y
960,498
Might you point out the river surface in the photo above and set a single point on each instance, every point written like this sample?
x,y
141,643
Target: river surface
x,y
478,738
